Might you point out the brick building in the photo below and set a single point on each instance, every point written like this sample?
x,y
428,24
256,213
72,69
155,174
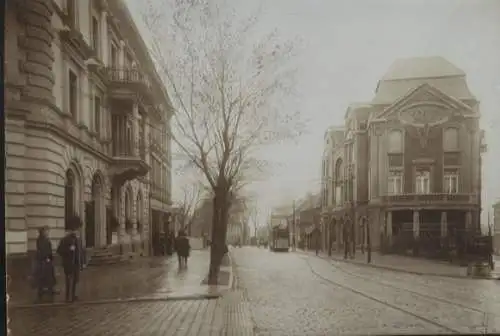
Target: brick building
x,y
405,167
80,95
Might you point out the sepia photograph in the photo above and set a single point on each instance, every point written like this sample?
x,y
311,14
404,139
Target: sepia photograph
x,y
251,167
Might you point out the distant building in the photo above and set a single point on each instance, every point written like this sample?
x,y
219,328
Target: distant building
x,y
201,225
407,165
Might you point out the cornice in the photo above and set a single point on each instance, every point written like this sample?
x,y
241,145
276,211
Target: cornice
x,y
51,128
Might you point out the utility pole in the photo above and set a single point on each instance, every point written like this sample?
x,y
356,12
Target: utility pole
x,y
293,226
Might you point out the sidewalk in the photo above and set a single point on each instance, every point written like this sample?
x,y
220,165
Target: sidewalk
x,y
115,315
400,264
157,278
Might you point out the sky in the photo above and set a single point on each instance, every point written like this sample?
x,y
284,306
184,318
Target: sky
x,y
348,45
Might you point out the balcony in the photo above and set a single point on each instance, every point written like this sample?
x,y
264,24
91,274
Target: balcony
x,y
128,152
125,83
437,199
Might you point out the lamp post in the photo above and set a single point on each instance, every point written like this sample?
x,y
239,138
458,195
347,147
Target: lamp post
x,y
294,239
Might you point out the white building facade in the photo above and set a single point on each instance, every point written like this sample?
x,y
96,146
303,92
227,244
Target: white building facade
x,y
87,125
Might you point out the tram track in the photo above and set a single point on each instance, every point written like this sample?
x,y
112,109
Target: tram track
x,y
388,304
429,297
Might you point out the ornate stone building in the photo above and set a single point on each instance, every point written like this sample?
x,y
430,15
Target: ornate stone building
x,y
87,125
406,167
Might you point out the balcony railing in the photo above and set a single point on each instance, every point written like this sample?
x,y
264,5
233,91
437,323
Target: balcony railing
x,y
128,76
429,198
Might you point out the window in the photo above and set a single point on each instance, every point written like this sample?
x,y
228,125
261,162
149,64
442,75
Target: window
x,y
423,182
338,194
95,35
450,181
450,139
73,94
114,56
395,183
71,12
396,141
97,114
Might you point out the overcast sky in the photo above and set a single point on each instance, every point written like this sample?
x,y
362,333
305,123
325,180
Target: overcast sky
x,y
348,45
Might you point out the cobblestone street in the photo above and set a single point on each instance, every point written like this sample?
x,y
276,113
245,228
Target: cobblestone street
x,y
193,317
297,294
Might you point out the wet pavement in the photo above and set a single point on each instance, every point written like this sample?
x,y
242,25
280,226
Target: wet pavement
x,y
157,277
165,301
296,293
401,263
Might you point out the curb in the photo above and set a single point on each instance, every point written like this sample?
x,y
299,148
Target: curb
x,y
231,283
398,270
193,297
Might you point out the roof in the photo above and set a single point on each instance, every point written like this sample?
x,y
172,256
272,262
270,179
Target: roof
x,y
406,74
360,111
311,201
422,67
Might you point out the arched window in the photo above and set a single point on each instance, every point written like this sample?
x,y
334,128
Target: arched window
x,y
339,177
338,171
450,139
396,141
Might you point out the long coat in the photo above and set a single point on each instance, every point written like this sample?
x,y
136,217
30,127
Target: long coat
x,y
71,252
44,274
182,246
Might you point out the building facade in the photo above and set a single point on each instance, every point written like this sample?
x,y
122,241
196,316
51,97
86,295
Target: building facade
x,y
87,125
406,170
496,228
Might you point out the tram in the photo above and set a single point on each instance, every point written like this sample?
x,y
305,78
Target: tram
x,y
279,239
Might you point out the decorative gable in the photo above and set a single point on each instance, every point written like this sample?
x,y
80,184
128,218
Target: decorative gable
x,y
425,105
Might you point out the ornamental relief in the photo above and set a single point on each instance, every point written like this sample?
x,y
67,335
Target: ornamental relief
x,y
424,115
422,120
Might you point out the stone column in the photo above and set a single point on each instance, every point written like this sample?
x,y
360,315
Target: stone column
x,y
444,225
104,40
389,229
121,61
135,129
468,221
339,235
416,230
146,131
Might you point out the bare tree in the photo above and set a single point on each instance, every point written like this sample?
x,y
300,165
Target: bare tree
x,y
227,93
254,219
192,193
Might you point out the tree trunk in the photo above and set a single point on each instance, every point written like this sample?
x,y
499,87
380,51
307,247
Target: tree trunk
x,y
219,231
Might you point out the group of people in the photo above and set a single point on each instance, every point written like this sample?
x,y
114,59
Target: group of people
x,y
72,254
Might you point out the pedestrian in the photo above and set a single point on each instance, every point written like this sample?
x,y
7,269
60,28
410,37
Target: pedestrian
x,y
71,252
182,247
44,273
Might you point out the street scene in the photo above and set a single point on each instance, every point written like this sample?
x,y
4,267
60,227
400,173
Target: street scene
x,y
294,293
231,167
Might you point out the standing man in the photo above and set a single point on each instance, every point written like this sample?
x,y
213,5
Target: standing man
x,y
182,248
71,252
44,271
